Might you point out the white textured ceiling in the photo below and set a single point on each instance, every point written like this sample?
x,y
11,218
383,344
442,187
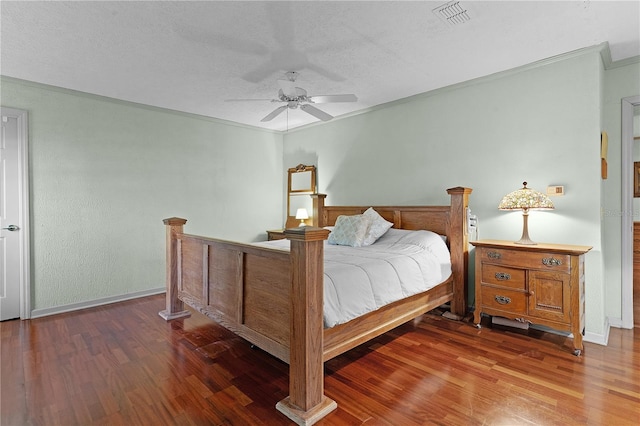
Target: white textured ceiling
x,y
192,56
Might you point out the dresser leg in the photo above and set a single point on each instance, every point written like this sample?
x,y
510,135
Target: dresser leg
x,y
578,346
476,318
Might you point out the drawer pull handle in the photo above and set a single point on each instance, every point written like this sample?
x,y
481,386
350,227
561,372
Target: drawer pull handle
x,y
503,300
502,276
551,261
493,255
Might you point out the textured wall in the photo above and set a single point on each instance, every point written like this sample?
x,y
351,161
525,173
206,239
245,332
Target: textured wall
x,y
105,173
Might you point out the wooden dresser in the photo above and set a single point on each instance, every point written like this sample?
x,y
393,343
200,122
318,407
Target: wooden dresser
x,y
540,284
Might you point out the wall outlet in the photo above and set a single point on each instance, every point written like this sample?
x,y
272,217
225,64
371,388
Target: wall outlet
x,y
555,191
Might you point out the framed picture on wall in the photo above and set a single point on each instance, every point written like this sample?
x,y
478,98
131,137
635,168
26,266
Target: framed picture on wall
x,y
636,179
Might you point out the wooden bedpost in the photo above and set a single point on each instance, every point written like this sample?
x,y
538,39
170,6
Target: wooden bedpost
x,y
317,216
174,307
306,403
459,246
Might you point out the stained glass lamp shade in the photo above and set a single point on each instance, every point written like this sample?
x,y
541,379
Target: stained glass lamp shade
x,y
525,199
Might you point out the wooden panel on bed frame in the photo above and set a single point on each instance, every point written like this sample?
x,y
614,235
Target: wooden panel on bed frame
x,y
274,299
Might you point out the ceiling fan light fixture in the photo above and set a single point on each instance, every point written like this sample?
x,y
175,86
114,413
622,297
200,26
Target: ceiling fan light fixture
x,y
453,13
295,97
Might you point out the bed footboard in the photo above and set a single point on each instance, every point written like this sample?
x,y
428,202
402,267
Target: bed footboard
x,y
273,299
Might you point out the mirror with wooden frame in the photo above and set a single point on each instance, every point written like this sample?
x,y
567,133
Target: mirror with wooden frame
x,y
302,179
300,183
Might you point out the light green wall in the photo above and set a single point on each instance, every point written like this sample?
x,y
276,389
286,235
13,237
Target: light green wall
x,y
620,82
105,173
539,124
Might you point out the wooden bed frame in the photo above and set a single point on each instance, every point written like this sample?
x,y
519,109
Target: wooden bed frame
x,y
274,299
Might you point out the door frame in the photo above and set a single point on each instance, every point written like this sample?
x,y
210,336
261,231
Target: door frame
x,y
628,105
22,118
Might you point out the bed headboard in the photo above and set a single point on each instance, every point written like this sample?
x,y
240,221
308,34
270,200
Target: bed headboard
x,y
432,218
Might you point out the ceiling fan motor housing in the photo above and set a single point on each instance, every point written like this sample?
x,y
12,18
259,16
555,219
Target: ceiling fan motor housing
x,y
295,97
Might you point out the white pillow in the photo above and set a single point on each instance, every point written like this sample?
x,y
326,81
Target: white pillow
x,y
377,228
349,230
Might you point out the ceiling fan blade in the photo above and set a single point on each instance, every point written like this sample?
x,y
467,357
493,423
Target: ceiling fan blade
x,y
323,99
288,88
273,114
251,100
309,109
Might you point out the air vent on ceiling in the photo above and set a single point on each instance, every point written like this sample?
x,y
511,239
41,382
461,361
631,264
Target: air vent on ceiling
x,y
452,13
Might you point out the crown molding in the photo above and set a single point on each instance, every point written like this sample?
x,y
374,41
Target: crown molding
x,y
102,98
602,49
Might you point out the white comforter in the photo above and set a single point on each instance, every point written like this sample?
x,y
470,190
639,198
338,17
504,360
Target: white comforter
x,y
358,280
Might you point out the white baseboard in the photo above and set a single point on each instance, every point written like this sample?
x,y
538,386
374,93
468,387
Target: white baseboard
x,y
600,339
37,313
615,322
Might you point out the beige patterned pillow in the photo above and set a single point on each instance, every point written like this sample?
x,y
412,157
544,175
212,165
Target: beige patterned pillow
x,y
379,226
349,230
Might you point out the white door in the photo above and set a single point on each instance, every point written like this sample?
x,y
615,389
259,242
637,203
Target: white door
x,y
14,269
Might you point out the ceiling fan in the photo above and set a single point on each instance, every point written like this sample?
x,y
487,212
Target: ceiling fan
x,y
294,97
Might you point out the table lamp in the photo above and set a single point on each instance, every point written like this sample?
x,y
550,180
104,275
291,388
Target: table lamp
x,y
525,199
302,214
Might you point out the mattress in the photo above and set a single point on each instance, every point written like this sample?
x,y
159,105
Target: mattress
x,y
358,280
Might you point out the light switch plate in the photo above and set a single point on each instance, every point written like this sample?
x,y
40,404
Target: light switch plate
x,y
555,191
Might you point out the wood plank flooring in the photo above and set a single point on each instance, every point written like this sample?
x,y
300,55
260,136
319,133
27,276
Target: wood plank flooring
x,y
122,364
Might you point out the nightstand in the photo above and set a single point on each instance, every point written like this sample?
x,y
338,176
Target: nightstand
x,y
539,284
275,234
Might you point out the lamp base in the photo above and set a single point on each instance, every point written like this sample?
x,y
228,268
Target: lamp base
x,y
525,240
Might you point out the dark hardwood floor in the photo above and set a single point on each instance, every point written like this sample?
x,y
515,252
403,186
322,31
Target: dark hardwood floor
x,y
122,364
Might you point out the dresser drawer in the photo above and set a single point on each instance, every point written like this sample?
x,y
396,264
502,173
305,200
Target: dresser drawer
x,y
504,300
528,260
503,276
